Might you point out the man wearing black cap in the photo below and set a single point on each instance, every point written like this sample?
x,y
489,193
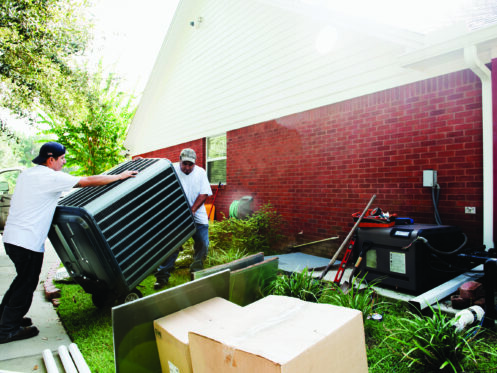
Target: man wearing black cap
x,y
31,212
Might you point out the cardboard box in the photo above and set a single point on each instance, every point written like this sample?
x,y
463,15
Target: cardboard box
x,y
283,335
171,331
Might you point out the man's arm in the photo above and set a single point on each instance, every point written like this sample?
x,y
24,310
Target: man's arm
x,y
198,202
98,180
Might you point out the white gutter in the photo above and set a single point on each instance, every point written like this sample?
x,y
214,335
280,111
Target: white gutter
x,y
474,63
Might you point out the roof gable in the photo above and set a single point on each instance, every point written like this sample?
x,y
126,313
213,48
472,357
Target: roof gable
x,y
227,64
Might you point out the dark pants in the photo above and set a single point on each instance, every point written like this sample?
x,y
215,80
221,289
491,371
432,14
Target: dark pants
x,y
17,300
201,247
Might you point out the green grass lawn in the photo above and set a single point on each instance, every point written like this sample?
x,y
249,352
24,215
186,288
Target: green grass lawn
x,y
91,327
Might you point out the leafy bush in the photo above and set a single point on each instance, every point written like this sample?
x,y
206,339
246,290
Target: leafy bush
x,y
220,256
360,296
261,232
434,342
298,285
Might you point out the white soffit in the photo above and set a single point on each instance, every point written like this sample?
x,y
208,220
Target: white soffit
x,y
254,80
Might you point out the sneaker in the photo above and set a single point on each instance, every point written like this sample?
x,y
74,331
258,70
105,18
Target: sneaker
x,y
160,283
24,332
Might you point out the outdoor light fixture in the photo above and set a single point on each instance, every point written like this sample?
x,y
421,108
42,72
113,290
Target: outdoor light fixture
x,y
196,23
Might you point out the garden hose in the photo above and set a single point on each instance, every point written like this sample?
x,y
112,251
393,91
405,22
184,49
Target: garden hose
x,y
234,209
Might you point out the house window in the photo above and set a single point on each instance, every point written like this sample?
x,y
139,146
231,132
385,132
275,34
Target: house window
x,y
216,159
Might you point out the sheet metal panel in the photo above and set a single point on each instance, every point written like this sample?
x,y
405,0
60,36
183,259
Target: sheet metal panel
x,y
135,349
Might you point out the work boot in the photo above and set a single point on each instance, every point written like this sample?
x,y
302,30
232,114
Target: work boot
x,y
160,283
24,332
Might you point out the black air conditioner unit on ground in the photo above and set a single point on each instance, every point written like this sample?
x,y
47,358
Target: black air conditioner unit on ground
x,y
397,258
110,238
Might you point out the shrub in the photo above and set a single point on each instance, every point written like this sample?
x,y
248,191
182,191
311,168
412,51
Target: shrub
x,y
434,342
298,285
360,296
220,256
261,232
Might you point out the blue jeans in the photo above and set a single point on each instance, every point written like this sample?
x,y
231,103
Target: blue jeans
x,y
201,247
17,300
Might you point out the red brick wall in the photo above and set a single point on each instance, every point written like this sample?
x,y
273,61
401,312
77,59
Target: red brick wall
x,y
172,153
320,166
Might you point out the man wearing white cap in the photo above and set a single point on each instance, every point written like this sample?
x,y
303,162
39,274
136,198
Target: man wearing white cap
x,y
197,188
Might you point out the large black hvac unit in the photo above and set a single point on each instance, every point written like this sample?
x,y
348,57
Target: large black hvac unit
x,y
397,258
110,238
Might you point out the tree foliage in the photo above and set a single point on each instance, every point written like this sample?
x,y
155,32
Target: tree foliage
x,y
37,40
17,150
95,142
40,41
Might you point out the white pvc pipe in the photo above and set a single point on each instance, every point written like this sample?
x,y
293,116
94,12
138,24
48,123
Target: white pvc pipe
x,y
49,361
78,359
67,362
474,63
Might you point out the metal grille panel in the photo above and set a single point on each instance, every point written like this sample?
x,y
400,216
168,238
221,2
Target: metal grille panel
x,y
143,224
86,195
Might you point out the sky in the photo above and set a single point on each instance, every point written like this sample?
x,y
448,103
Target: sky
x,y
128,36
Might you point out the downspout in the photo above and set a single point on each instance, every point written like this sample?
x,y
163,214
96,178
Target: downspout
x,y
474,63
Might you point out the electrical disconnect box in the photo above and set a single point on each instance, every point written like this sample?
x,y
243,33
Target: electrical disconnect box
x,y
429,178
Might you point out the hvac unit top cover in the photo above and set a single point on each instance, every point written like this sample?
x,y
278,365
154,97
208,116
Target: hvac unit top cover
x,y
112,237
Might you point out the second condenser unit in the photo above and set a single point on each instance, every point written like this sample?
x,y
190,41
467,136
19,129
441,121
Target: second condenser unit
x,y
412,257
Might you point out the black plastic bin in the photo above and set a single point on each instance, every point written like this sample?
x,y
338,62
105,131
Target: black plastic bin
x,y
110,238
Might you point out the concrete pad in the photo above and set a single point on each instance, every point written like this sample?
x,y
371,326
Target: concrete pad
x,y
296,262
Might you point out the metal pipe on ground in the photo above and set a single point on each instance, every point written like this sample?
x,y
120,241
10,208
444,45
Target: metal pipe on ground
x,y
292,248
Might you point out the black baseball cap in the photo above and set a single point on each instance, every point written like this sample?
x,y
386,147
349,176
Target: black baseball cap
x,y
49,149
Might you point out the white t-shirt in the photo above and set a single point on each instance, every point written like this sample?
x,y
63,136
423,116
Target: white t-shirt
x,y
33,205
195,184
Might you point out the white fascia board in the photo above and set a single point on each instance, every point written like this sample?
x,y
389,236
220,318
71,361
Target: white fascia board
x,y
452,47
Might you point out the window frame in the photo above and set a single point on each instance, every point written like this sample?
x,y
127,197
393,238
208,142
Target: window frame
x,y
214,159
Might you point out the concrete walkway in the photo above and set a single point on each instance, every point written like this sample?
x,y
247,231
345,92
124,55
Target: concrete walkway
x,y
26,356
